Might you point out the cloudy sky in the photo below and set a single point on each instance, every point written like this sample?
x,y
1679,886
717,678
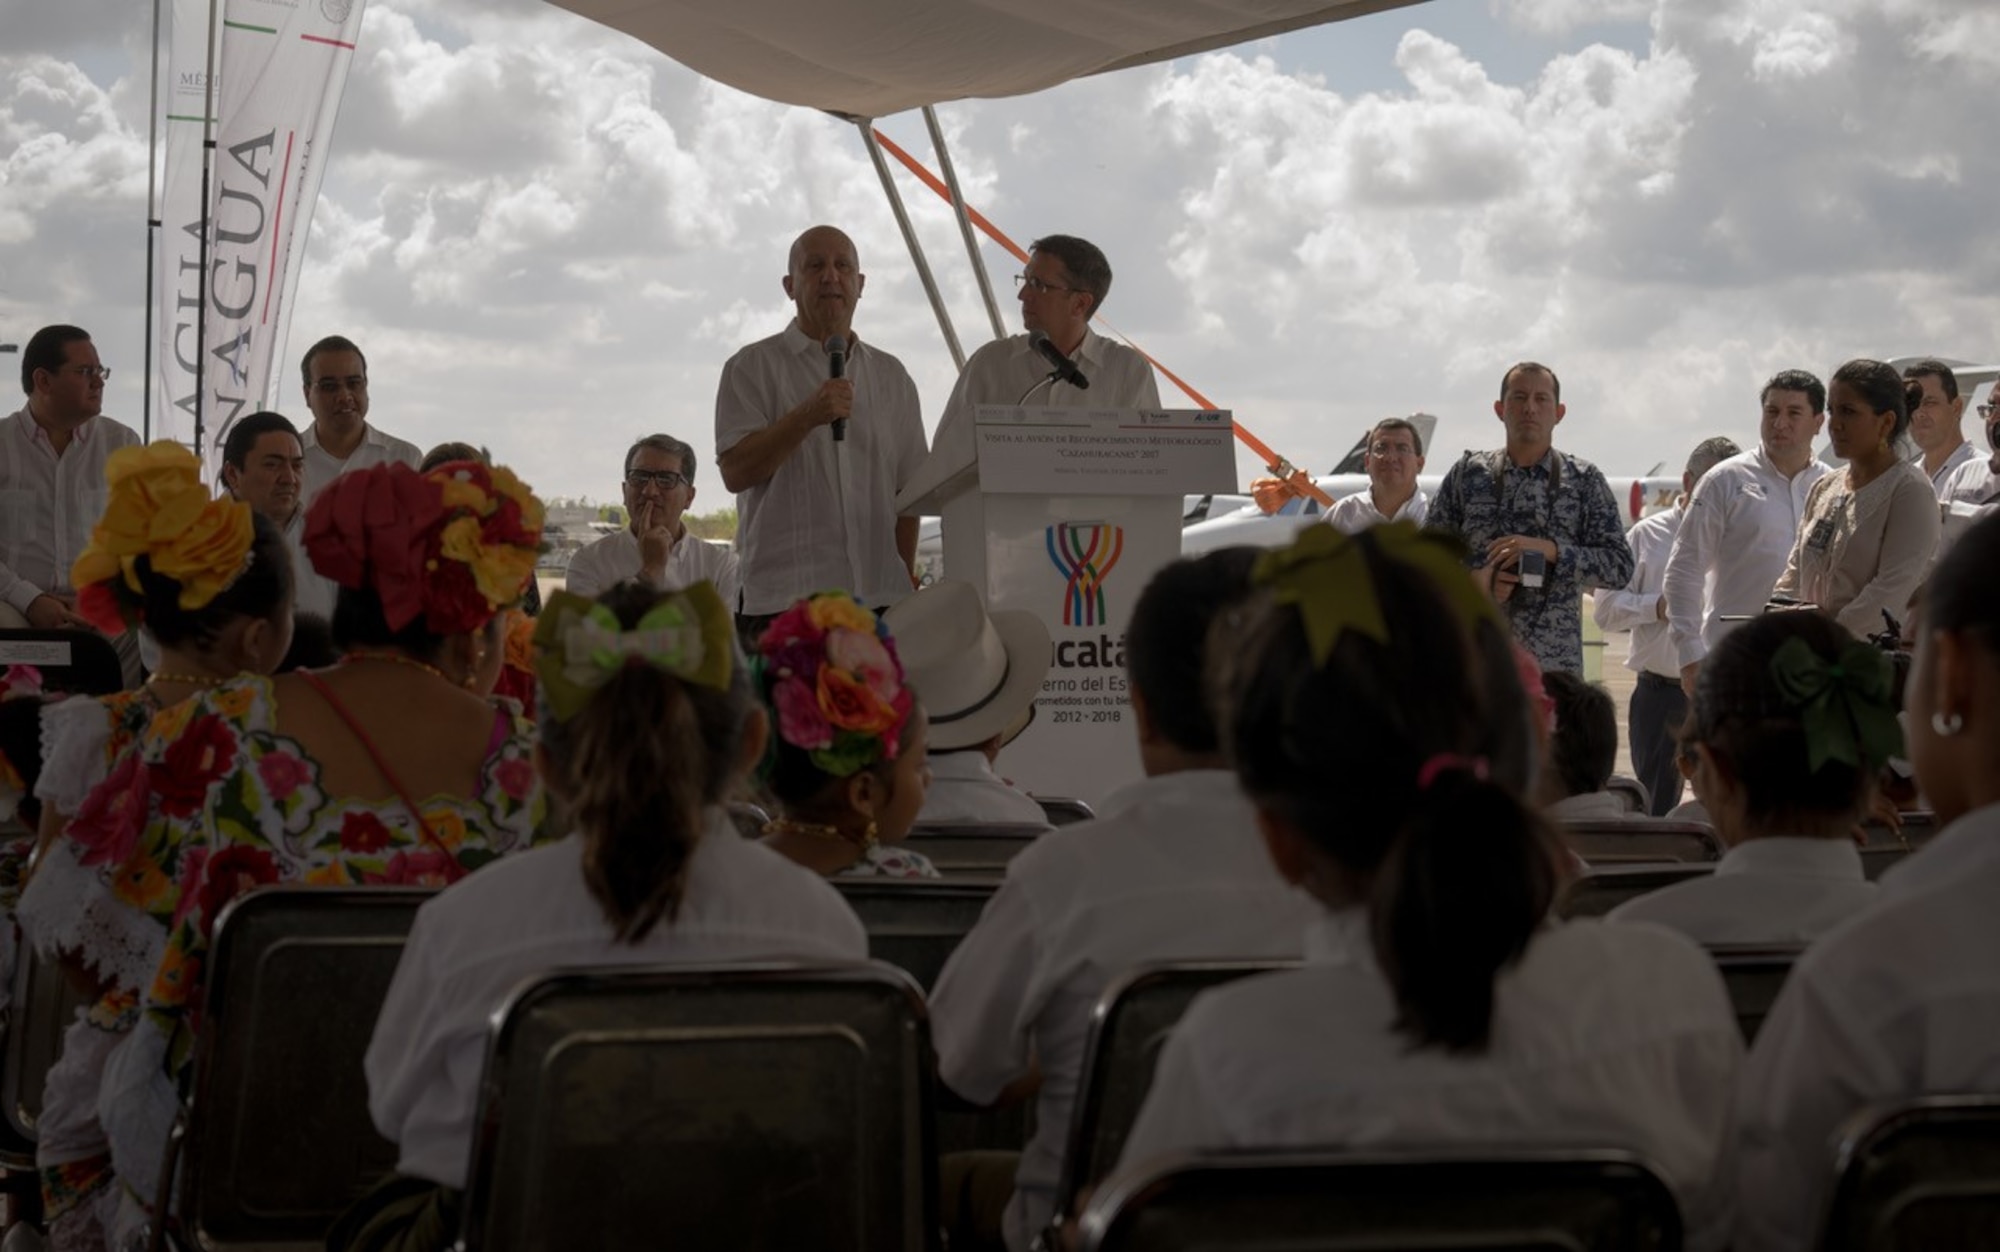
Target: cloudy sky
x,y
548,237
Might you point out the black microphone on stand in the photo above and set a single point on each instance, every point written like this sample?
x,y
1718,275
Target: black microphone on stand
x,y
1065,369
836,366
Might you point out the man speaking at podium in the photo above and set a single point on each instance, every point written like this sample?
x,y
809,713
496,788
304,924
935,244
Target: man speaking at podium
x,y
815,433
1061,362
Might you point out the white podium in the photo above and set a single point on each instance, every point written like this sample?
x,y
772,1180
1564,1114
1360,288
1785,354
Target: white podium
x,y
1066,512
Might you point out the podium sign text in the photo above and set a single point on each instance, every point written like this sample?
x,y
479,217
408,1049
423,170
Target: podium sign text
x,y
1117,452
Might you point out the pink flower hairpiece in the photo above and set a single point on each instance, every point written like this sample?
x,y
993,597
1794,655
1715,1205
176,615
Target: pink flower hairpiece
x,y
831,675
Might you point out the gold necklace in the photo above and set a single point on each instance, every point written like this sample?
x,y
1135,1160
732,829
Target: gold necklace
x,y
820,830
395,658
192,680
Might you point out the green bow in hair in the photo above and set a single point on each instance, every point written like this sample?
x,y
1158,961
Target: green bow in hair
x,y
1844,704
1325,573
579,644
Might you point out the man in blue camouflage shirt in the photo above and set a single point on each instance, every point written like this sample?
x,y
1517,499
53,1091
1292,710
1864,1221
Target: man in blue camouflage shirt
x,y
1528,497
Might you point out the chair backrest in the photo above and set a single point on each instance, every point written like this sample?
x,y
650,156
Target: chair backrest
x,y
744,1107
1754,976
1133,1018
1064,811
1602,890
1920,1175
916,923
1638,800
44,1004
1641,840
1916,830
983,847
279,1139
1569,1202
1878,859
75,662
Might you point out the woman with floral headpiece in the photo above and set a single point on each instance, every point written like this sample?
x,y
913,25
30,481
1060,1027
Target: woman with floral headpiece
x,y
656,872
1793,718
847,762
392,767
1440,1005
212,583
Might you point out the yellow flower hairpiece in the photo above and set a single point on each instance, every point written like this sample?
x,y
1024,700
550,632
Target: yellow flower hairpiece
x,y
1325,574
580,645
160,509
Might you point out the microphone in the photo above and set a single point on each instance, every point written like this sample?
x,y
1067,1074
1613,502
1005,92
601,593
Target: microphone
x,y
1065,369
836,367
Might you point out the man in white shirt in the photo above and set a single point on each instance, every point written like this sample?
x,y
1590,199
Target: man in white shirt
x,y
1394,458
1972,490
655,546
816,460
1937,423
1173,870
1658,705
1061,290
1741,521
263,465
52,488
340,438
979,674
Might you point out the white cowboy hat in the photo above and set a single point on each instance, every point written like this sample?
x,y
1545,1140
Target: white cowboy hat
x,y
978,673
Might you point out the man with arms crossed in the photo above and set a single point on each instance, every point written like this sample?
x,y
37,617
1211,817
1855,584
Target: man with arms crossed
x,y
340,438
816,461
1394,458
655,547
1658,705
263,465
1741,521
1528,498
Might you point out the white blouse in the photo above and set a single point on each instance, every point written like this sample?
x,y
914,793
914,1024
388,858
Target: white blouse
x,y
1603,1037
1773,891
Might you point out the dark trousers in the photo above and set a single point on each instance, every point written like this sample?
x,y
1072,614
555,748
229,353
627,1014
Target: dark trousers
x,y
1652,721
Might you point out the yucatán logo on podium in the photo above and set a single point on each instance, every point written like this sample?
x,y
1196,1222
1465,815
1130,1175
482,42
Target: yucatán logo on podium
x,y
1084,555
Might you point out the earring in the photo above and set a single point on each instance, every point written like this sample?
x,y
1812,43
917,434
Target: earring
x,y
868,839
1947,725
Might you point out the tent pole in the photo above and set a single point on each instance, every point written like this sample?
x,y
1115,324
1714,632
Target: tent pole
x,y
152,223
923,265
950,173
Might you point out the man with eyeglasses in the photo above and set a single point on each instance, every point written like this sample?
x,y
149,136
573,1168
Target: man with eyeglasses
x,y
816,461
1972,490
1061,290
340,438
655,547
1937,423
1393,459
52,488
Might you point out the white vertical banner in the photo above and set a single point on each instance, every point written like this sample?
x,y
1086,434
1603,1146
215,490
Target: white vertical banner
x,y
280,68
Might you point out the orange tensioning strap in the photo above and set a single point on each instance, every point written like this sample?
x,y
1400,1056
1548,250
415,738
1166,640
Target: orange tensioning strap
x,y
1277,464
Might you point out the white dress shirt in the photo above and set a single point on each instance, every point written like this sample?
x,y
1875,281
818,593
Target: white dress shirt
x,y
1591,806
312,591
1603,1037
827,518
1773,891
1358,511
530,913
1901,1002
964,790
1733,542
376,448
614,558
1861,553
1173,870
1009,372
1636,606
1959,456
1969,493
48,503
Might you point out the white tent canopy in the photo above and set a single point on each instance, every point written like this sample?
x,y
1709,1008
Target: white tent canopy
x,y
871,58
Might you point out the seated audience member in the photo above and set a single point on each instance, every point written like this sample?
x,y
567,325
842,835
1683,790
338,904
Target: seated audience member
x,y
979,674
1905,1000
392,767
1582,753
1694,809
211,580
1792,718
1172,870
655,546
1440,1007
848,765
531,603
21,703
655,873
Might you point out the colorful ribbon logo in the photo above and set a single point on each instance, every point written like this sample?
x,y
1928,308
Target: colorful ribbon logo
x,y
1084,556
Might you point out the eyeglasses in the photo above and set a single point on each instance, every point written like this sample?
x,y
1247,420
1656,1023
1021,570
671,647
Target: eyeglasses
x,y
1987,410
1037,286
665,480
1391,449
102,373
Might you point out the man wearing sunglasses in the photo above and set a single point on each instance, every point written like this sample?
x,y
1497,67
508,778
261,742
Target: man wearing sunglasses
x,y
655,547
52,489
